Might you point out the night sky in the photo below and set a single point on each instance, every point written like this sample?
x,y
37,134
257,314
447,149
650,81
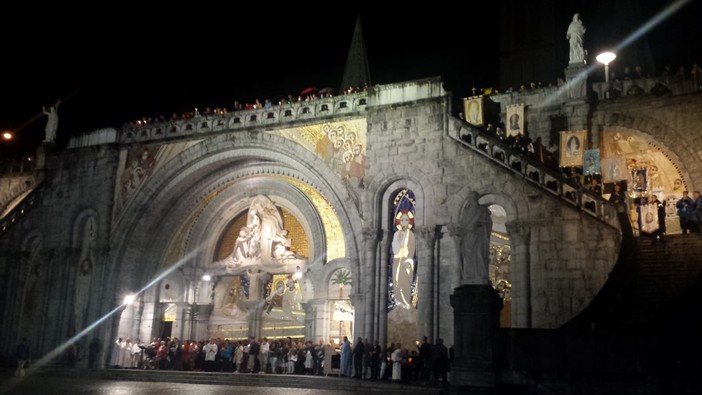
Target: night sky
x,y
116,66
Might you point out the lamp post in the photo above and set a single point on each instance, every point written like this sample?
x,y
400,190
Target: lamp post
x,y
606,58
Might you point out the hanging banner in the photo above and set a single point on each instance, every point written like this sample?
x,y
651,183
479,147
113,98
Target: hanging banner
x,y
473,110
648,218
613,169
592,162
572,148
515,119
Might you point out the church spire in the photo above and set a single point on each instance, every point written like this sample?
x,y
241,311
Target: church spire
x,y
356,72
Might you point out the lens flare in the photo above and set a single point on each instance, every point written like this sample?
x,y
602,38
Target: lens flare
x,y
127,300
635,35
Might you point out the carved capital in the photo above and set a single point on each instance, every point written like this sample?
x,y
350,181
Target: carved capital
x,y
456,230
519,230
372,235
426,234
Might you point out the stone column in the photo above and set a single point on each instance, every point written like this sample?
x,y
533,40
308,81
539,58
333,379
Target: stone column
x,y
519,234
186,329
476,311
202,318
255,309
425,282
372,266
358,299
383,263
315,322
436,307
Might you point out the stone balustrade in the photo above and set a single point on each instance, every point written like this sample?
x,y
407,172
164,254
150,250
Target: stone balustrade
x,y
670,85
275,116
21,209
535,172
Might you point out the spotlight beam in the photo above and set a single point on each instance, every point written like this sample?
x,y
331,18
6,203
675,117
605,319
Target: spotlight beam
x,y
62,347
633,36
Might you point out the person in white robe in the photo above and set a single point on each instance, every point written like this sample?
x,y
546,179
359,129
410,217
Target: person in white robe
x,y
396,358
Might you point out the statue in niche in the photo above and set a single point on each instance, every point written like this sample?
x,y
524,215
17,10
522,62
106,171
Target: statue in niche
x,y
262,243
403,250
475,243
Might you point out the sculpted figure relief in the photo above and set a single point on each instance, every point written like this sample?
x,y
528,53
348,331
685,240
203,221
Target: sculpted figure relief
x,y
263,242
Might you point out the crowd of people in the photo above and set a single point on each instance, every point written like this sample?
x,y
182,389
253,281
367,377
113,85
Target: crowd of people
x,y
690,212
309,94
423,362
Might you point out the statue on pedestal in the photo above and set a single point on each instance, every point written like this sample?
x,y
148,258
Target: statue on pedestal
x,y
475,243
574,35
51,122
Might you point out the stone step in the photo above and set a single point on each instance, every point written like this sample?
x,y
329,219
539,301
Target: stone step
x,y
247,379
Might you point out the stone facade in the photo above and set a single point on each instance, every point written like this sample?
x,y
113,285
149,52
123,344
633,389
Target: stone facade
x,y
170,226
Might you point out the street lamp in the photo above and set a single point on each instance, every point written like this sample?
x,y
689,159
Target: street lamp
x,y
606,58
7,136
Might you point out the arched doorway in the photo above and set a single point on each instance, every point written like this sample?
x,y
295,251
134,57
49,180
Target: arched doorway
x,y
500,262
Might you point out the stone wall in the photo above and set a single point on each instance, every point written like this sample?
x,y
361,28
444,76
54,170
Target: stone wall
x,y
76,183
564,260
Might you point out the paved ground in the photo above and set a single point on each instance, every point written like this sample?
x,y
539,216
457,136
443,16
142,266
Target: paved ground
x,y
55,385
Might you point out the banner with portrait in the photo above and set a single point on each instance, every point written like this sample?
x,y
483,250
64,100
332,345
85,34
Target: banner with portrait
x,y
613,169
591,162
572,148
648,218
515,119
473,110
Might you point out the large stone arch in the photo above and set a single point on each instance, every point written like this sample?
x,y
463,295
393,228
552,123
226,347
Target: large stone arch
x,y
212,156
680,147
198,172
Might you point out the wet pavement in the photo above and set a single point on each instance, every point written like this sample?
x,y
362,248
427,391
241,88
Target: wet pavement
x,y
61,385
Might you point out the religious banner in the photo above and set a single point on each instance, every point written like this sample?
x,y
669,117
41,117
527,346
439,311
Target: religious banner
x,y
402,270
613,169
572,148
515,119
648,218
473,110
592,162
639,179
402,275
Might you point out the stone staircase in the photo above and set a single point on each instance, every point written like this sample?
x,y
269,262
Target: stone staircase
x,y
647,280
662,275
550,181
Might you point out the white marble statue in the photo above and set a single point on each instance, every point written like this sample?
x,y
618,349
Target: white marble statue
x,y
475,243
262,243
51,122
574,35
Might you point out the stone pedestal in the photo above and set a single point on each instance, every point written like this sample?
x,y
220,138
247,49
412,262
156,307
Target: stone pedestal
x,y
576,78
476,311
